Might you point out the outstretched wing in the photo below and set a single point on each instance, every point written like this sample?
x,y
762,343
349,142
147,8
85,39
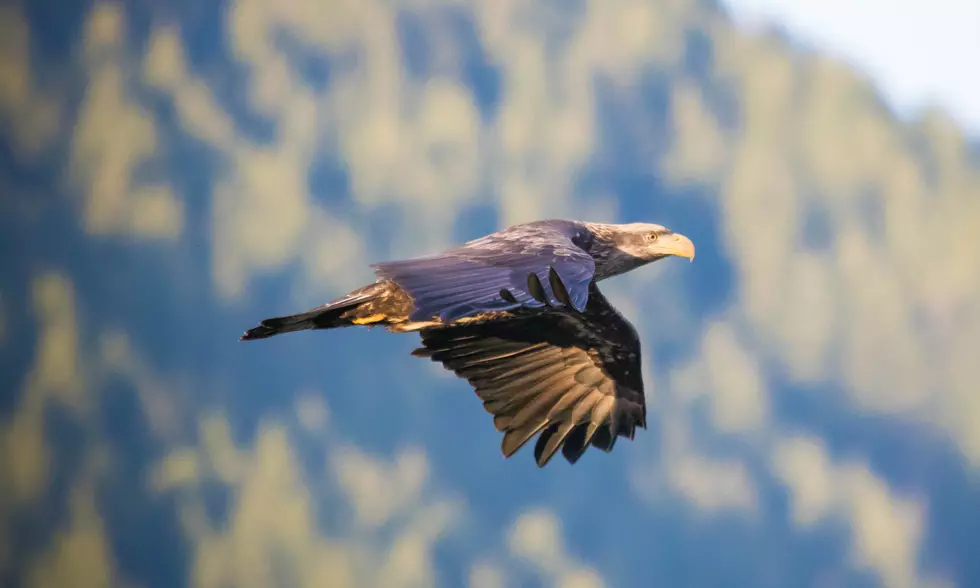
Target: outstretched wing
x,y
573,377
492,274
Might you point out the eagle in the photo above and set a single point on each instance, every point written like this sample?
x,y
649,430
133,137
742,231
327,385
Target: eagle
x,y
518,313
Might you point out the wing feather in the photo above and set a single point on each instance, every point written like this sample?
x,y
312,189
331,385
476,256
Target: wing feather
x,y
469,280
539,407
566,402
575,378
550,441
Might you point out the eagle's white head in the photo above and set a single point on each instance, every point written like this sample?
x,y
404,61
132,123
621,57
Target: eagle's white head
x,y
620,248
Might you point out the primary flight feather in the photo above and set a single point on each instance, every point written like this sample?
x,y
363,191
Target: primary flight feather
x,y
519,315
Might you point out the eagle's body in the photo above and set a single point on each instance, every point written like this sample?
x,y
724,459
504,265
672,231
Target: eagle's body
x,y
518,313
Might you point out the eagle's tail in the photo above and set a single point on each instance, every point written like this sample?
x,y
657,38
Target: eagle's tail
x,y
328,316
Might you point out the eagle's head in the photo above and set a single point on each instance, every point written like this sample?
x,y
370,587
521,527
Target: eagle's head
x,y
620,248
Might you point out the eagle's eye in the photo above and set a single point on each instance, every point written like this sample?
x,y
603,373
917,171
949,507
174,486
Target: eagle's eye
x,y
651,237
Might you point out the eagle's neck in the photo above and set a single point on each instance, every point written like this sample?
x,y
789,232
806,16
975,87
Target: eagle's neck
x,y
613,262
610,260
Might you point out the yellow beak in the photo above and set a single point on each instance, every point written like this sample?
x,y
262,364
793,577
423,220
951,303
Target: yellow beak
x,y
679,245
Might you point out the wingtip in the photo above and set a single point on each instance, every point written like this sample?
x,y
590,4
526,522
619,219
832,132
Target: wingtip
x,y
558,288
508,296
536,289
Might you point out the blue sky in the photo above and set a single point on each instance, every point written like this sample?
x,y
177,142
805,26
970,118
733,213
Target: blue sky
x,y
177,173
916,52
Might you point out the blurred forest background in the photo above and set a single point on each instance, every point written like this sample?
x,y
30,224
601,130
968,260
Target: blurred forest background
x,y
173,172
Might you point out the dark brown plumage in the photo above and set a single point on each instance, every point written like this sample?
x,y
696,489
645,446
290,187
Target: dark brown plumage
x,y
573,377
520,316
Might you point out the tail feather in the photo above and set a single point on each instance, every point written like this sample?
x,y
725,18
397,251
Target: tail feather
x,y
327,316
281,324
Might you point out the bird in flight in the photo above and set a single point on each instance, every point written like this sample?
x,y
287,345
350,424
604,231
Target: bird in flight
x,y
519,315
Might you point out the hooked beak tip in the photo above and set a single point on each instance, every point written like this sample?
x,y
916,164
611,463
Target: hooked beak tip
x,y
683,247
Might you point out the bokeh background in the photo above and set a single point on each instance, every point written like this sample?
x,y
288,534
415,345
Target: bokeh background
x,y
173,172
